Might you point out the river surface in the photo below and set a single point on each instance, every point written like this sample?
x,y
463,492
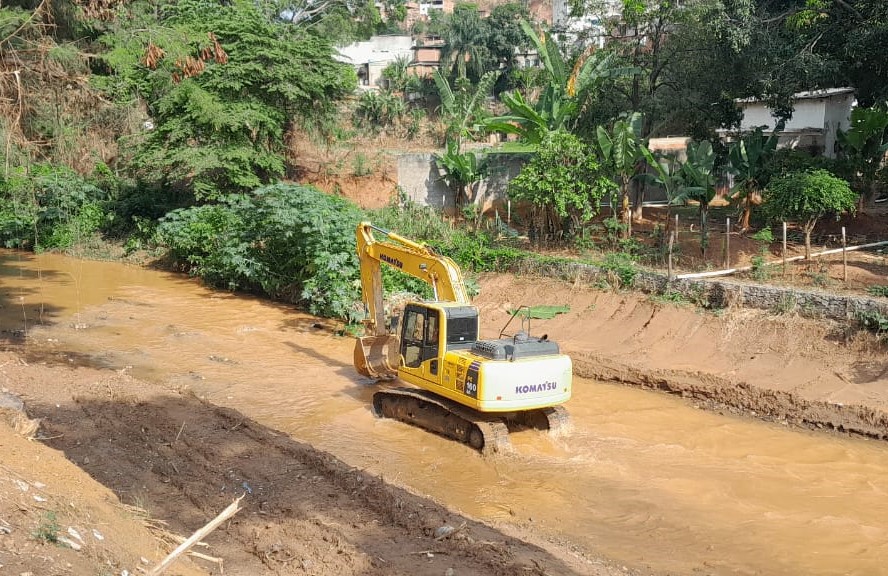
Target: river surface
x,y
643,478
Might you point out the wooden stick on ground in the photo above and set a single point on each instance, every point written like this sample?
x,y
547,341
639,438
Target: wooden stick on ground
x,y
232,509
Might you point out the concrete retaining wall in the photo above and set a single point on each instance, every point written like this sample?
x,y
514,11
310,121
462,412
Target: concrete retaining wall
x,y
421,180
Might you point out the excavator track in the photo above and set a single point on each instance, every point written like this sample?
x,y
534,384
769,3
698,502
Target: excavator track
x,y
487,434
555,419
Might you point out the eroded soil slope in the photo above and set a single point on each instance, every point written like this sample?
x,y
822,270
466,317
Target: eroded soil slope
x,y
783,367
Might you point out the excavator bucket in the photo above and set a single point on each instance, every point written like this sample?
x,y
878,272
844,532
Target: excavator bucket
x,y
377,356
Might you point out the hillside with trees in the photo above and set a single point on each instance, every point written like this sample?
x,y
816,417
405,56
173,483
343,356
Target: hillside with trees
x,y
173,127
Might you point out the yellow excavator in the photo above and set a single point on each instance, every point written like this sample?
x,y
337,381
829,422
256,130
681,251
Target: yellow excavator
x,y
464,388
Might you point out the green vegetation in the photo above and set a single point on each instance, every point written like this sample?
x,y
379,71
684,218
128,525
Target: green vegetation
x,y
878,290
172,125
806,197
540,312
873,322
563,180
48,529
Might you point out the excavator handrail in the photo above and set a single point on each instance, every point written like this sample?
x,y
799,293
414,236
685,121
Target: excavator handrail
x,y
512,317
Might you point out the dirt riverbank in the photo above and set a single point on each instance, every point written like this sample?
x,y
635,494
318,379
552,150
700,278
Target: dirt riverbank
x,y
121,455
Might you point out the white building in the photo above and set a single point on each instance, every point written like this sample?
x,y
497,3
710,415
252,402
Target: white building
x,y
817,117
372,56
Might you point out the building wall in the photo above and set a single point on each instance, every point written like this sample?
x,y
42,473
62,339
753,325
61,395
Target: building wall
x,y
814,124
375,54
809,113
421,181
838,117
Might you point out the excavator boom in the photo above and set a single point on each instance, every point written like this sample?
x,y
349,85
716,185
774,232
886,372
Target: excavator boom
x,y
376,353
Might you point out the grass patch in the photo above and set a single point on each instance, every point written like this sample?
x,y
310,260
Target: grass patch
x,y
879,290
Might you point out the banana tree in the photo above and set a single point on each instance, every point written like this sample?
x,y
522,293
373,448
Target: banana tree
x,y
667,175
864,146
566,89
750,160
699,184
462,109
623,152
462,172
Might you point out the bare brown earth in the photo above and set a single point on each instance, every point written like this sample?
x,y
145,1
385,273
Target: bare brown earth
x,y
775,366
115,458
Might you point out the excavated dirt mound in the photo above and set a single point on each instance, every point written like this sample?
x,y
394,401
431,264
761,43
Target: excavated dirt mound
x,y
181,461
782,367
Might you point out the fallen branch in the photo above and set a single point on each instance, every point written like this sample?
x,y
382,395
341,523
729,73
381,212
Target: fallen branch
x,y
232,509
208,558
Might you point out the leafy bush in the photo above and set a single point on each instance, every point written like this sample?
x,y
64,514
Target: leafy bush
x,y
878,290
563,177
378,110
292,243
621,269
806,197
874,322
48,207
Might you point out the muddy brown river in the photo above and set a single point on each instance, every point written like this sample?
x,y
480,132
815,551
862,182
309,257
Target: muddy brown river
x,y
643,478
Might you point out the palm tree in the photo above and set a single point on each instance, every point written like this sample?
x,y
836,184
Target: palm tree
x,y
465,52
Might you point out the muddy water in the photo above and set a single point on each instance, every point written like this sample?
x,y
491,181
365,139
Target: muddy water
x,y
643,478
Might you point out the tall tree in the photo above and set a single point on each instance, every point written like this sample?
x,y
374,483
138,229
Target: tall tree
x,y
223,84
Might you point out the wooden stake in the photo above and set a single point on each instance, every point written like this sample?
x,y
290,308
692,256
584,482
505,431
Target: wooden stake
x,y
728,243
844,257
784,248
671,243
232,509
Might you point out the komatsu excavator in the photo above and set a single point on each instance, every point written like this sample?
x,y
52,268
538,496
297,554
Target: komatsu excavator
x,y
465,388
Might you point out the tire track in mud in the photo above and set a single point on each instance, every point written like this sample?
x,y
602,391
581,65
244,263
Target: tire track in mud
x,y
723,394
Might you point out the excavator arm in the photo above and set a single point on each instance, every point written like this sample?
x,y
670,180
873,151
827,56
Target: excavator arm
x,y
376,353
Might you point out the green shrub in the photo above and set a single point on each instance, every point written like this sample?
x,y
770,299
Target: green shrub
x,y
878,290
620,267
873,322
292,243
48,207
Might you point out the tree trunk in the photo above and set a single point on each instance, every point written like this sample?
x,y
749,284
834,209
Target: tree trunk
x,y
747,212
625,212
638,200
704,229
809,228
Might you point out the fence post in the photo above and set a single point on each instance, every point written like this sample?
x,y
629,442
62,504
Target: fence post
x,y
669,256
844,257
728,244
784,248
